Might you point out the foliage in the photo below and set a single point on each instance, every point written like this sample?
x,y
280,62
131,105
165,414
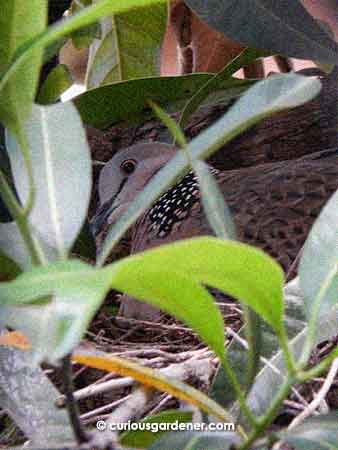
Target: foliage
x,y
51,296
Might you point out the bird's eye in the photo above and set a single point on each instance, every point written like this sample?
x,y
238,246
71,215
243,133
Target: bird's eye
x,y
128,166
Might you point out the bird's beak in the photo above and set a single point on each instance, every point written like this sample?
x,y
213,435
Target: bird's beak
x,y
101,217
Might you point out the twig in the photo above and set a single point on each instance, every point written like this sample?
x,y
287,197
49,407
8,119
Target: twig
x,y
92,415
166,398
294,405
132,406
145,323
124,412
106,386
80,434
198,367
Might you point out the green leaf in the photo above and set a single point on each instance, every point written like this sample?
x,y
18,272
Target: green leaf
x,y
128,101
266,97
282,27
318,269
197,441
103,58
318,272
29,397
84,37
65,27
20,21
154,427
216,210
175,293
316,433
57,82
53,305
61,170
130,46
242,271
71,277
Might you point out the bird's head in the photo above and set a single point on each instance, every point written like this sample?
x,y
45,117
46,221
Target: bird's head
x,y
124,176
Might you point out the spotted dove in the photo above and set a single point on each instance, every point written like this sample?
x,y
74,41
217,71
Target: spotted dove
x,y
273,205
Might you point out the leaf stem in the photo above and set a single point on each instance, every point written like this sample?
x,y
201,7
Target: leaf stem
x,y
289,358
24,148
267,419
19,216
239,393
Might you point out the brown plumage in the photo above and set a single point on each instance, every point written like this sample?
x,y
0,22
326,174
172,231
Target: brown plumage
x,y
273,205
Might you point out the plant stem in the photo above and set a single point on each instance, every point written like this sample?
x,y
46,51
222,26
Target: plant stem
x,y
18,214
289,359
30,201
267,419
172,126
239,394
80,434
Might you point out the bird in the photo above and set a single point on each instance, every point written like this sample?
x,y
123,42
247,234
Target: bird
x,y
273,205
